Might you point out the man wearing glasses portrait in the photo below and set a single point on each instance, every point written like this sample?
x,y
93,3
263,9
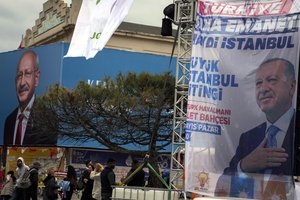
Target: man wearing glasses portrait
x,y
19,126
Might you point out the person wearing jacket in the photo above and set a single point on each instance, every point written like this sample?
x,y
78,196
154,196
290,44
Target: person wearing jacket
x,y
108,178
32,191
9,186
88,184
95,175
20,192
50,191
72,178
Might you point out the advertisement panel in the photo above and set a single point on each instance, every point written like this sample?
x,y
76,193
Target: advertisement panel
x,y
242,99
24,76
22,82
109,62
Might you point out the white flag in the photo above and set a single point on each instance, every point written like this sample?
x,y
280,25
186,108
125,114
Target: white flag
x,y
96,22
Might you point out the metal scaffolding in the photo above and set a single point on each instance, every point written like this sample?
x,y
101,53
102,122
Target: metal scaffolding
x,y
184,17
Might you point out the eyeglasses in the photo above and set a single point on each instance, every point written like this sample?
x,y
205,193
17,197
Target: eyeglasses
x,y
27,74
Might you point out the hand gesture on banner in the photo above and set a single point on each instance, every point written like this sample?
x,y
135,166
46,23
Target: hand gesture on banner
x,y
262,157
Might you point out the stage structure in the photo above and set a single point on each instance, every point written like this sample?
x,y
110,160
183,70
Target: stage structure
x,y
184,17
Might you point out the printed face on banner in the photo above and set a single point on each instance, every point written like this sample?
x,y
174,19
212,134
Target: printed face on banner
x,y
25,82
27,78
275,88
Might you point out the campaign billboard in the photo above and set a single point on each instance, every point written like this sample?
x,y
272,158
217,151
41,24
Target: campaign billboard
x,y
28,73
24,76
242,98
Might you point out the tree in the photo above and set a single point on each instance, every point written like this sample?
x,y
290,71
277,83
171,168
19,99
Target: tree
x,y
134,109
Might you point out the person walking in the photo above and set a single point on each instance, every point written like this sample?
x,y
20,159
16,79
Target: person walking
x,y
32,191
108,178
51,188
88,183
20,192
72,178
9,185
85,175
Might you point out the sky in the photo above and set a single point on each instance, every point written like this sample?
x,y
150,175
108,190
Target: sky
x,y
16,16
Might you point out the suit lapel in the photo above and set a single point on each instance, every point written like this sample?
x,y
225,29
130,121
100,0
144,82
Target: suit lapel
x,y
10,127
287,167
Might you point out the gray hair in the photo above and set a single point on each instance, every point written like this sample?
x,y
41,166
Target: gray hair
x,y
36,62
289,71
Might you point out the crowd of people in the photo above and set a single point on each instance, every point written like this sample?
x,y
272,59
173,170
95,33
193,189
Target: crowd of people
x,y
98,180
23,185
95,182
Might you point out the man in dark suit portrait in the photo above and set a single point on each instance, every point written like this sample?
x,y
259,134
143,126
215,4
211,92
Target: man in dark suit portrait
x,y
19,128
268,148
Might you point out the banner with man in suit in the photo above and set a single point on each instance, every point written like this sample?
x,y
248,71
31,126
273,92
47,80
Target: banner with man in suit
x,y
242,99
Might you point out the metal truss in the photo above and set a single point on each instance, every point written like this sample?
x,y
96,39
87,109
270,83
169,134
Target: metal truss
x,y
184,18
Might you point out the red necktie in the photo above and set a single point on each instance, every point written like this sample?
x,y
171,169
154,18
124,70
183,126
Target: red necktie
x,y
19,130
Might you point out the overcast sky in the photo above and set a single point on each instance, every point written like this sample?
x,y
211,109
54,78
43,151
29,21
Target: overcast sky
x,y
17,16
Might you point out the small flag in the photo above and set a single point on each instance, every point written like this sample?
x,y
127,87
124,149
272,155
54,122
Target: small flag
x,y
96,22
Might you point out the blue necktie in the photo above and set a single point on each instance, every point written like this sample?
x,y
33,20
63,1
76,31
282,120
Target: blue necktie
x,y
271,141
271,136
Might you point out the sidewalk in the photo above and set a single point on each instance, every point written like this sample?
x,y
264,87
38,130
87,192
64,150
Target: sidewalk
x,y
76,196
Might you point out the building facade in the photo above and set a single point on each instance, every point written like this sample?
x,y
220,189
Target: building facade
x,y
57,21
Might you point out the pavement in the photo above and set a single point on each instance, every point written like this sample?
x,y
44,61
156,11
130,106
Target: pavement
x,y
76,196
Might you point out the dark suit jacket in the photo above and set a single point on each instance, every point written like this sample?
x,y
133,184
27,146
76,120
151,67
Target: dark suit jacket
x,y
33,136
251,139
248,142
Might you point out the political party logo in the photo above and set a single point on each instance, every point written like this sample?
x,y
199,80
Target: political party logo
x,y
203,180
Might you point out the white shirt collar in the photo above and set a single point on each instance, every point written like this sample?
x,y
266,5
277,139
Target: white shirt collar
x,y
281,123
27,110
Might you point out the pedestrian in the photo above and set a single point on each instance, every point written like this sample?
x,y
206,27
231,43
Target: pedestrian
x,y
65,187
139,178
51,188
108,178
9,186
32,191
88,183
20,191
84,175
72,178
95,175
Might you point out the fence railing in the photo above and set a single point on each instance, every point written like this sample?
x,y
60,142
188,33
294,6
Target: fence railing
x,y
145,193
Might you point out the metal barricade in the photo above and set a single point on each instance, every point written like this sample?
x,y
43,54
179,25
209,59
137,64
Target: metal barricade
x,y
144,193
